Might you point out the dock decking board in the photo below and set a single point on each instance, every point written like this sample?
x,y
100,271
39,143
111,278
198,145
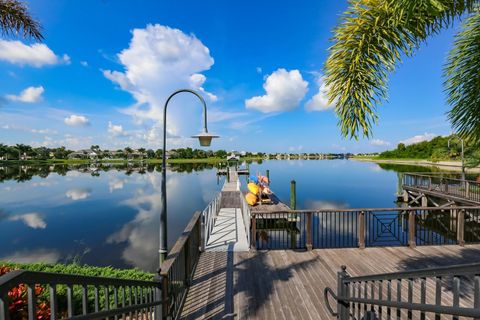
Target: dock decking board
x,y
286,284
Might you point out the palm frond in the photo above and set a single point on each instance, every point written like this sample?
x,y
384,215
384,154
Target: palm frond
x,y
462,80
15,19
369,43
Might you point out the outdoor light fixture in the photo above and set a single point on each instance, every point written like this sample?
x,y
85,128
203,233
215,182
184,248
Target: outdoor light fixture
x,y
205,140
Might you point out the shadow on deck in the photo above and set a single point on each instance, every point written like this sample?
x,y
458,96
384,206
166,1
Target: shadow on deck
x,y
288,284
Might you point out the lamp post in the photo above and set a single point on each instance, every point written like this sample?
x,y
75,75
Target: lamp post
x,y
463,158
204,138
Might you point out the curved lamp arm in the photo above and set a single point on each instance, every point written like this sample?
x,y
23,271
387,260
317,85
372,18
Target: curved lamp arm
x,y
165,118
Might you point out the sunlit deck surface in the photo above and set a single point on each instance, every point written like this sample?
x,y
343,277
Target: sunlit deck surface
x,y
288,284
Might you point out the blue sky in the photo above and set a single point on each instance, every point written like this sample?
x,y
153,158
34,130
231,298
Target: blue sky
x,y
105,68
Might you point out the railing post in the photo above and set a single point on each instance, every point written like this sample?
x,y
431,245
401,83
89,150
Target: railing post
x,y
4,312
361,230
188,261
467,189
165,297
202,232
411,229
309,231
429,183
158,297
253,244
461,227
342,292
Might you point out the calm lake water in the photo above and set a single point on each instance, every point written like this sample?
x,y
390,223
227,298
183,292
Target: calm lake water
x,y
109,216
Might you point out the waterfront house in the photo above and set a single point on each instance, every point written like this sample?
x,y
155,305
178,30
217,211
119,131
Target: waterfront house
x,y
83,154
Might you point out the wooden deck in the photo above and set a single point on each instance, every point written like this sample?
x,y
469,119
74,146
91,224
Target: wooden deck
x,y
289,284
452,196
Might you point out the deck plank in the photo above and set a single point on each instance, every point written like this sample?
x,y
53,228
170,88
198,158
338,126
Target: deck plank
x,y
282,284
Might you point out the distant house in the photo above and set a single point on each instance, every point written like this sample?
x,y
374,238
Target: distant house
x,y
135,154
83,154
171,154
113,154
233,157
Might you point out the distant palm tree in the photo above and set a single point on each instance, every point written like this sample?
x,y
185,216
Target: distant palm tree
x,y
369,42
15,19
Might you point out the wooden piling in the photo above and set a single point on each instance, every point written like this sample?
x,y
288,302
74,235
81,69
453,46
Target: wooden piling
x,y
293,195
268,175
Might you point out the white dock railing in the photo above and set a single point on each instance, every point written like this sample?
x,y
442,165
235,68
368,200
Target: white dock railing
x,y
246,216
208,218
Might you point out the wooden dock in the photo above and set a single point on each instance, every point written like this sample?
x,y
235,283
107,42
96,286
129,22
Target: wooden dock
x,y
287,284
425,190
234,278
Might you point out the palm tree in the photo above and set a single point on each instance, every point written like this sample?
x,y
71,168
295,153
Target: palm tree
x,y
369,43
15,19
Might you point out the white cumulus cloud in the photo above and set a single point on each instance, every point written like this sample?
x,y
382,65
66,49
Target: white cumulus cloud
x,y
28,95
320,102
36,55
76,121
283,92
158,61
116,129
419,138
379,142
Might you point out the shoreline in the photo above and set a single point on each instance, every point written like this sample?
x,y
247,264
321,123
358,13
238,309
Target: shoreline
x,y
445,165
121,161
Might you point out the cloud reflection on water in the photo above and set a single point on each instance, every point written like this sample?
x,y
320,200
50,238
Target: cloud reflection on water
x,y
34,220
78,193
33,256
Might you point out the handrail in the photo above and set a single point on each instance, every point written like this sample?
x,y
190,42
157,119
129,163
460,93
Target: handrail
x,y
351,300
179,245
119,296
364,209
177,270
434,176
364,227
465,269
209,215
455,189
246,213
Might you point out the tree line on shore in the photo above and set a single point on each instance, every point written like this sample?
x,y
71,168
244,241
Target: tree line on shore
x,y
437,149
26,152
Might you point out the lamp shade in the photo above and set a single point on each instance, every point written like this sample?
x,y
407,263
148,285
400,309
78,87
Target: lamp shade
x,y
205,138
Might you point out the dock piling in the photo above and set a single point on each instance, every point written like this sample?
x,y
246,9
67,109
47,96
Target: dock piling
x,y
293,195
268,175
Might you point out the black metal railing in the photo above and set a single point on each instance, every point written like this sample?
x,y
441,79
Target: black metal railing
x,y
463,189
300,229
66,296
419,294
177,270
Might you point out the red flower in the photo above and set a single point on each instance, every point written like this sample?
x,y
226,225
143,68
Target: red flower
x,y
18,303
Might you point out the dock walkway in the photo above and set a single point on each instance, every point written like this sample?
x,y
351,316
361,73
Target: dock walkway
x,y
229,232
287,284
